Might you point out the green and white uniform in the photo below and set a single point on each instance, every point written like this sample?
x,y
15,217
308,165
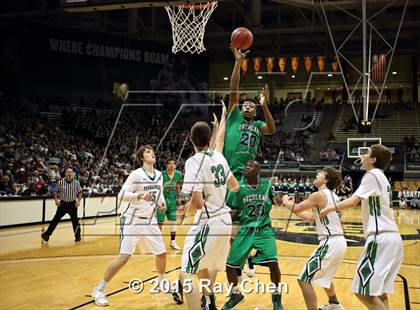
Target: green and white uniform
x,y
138,222
256,231
383,253
207,242
169,192
325,260
242,140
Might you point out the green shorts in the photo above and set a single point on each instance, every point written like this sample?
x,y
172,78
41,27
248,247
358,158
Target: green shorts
x,y
170,213
248,238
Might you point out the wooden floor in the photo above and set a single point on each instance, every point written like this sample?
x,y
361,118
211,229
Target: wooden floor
x,y
61,274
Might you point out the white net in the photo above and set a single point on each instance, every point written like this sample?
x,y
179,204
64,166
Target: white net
x,y
189,25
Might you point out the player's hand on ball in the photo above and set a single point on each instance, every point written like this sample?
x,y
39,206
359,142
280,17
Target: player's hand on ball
x,y
288,201
239,56
265,95
146,196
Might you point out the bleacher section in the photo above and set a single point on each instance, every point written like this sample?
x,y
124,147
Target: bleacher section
x,y
408,185
389,124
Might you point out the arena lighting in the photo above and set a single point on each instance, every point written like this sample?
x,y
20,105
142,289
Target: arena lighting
x,y
225,78
394,72
259,77
293,76
330,75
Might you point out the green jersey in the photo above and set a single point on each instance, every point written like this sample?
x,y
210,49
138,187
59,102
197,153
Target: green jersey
x,y
242,140
169,185
254,205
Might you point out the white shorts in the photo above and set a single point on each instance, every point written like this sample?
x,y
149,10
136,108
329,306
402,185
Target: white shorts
x,y
324,261
379,265
207,245
143,231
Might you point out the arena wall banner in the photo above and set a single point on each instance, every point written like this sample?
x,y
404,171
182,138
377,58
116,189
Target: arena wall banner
x,y
56,62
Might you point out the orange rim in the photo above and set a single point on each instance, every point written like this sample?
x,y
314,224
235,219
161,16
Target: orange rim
x,y
195,6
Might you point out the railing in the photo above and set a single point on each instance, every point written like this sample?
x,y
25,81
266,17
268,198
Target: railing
x,y
17,211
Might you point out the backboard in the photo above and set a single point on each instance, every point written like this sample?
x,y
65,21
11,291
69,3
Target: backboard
x,y
358,146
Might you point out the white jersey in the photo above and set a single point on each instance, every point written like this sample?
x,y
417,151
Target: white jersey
x,y
208,172
331,225
377,215
140,182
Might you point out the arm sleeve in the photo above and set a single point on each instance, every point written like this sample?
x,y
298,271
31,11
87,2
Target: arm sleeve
x,y
127,193
367,187
79,188
192,180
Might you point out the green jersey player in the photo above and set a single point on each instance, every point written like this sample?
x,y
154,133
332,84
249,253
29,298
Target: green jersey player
x,y
172,182
244,133
253,201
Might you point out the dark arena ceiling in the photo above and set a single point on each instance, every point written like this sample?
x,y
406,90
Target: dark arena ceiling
x,y
279,26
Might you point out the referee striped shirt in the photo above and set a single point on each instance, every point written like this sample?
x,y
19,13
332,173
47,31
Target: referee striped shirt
x,y
68,191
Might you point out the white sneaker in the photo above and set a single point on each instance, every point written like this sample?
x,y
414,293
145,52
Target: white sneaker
x,y
250,272
173,245
100,298
332,307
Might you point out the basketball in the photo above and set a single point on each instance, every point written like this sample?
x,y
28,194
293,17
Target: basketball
x,y
242,38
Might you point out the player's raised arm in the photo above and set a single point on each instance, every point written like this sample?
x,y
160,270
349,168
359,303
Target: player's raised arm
x,y
269,128
215,124
220,135
314,200
235,78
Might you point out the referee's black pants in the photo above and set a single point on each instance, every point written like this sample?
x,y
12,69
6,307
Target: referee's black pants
x,y
65,207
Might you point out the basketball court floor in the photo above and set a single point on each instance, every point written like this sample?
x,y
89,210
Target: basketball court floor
x,y
61,274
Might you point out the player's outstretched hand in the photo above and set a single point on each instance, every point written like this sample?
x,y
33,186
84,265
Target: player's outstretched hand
x,y
265,95
239,55
324,212
288,201
215,122
277,200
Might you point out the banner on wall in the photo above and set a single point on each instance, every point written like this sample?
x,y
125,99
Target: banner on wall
x,y
76,62
99,50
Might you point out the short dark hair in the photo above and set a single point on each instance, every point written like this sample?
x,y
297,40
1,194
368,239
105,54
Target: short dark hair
x,y
201,134
382,154
333,177
170,159
140,152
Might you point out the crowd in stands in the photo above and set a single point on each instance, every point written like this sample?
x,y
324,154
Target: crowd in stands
x,y
33,153
331,155
412,149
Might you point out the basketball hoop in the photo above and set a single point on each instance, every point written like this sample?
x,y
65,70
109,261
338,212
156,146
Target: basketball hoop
x,y
188,26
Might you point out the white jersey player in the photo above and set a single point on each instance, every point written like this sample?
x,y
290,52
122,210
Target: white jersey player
x,y
207,175
325,260
383,253
139,197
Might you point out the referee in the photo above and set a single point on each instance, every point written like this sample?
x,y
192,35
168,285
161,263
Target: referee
x,y
67,199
